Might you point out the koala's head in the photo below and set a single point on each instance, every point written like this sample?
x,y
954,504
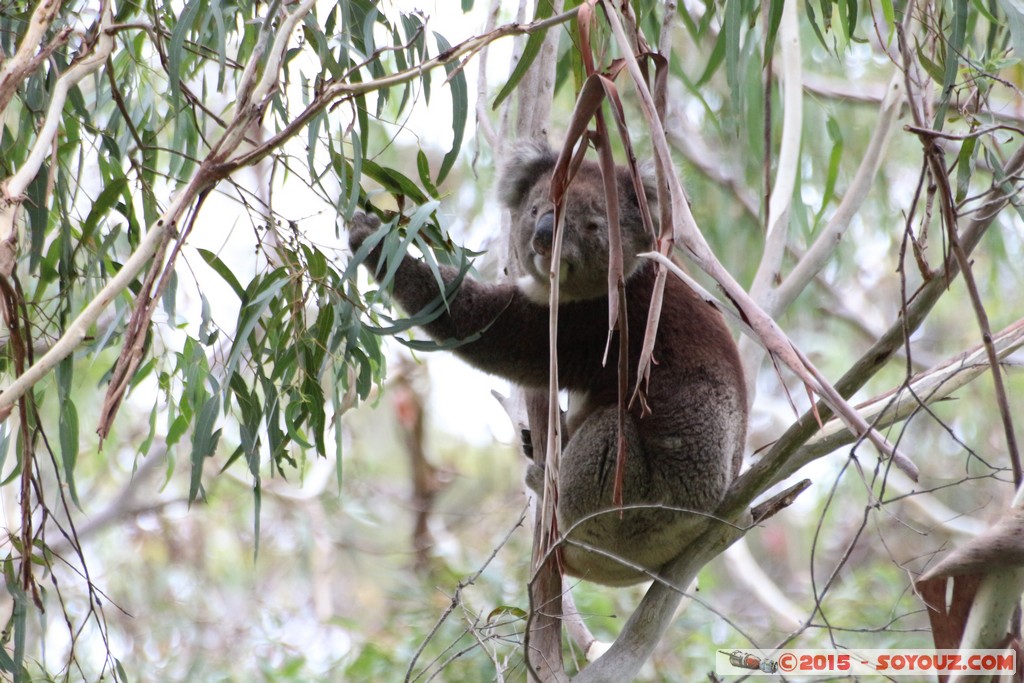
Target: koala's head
x,y
525,188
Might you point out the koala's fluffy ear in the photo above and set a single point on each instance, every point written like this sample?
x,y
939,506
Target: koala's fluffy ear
x,y
649,177
527,161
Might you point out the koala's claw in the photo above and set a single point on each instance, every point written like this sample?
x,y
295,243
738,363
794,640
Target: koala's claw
x,y
527,442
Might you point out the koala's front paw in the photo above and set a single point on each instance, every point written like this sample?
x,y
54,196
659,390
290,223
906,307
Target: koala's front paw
x,y
362,226
535,478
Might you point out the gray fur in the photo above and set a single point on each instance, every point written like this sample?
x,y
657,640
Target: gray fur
x,y
682,455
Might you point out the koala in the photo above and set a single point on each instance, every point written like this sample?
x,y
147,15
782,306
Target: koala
x,y
682,454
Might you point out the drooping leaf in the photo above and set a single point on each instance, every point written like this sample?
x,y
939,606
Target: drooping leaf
x,y
774,19
254,301
1014,12
835,134
204,442
965,167
221,268
175,46
954,48
69,440
460,108
394,181
101,207
423,167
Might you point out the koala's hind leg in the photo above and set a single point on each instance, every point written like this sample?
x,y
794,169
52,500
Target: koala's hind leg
x,y
648,536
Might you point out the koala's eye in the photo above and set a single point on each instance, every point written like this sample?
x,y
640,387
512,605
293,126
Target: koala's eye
x,y
593,226
533,210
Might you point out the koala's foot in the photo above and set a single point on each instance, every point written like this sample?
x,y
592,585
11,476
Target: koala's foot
x,y
535,478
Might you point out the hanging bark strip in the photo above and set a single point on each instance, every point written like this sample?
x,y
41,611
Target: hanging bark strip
x,y
18,345
138,327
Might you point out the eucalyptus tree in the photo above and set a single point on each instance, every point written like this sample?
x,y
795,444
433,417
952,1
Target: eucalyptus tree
x,y
136,136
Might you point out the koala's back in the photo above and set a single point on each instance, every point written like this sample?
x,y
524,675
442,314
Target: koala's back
x,y
696,362
681,456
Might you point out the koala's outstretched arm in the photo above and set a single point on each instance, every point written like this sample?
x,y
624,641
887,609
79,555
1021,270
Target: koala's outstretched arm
x,y
507,332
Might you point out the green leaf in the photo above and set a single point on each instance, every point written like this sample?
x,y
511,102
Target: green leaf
x,y
68,429
934,70
272,409
732,26
517,613
175,48
954,48
176,430
313,395
312,137
67,424
5,447
119,672
812,20
204,442
101,207
460,108
890,19
395,255
835,134
16,621
393,181
965,167
294,417
151,434
170,296
715,61
339,434
38,217
316,263
217,17
6,663
225,273
262,289
848,17
423,167
774,19
257,500
826,13
320,336
1014,11
249,426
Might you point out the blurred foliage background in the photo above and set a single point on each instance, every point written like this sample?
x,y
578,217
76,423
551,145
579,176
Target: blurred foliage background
x,y
236,463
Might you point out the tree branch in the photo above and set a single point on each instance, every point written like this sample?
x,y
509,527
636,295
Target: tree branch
x,y
781,199
824,246
770,467
13,189
210,171
898,404
341,89
26,59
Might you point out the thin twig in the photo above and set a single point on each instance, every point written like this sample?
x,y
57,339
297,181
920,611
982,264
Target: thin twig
x,y
936,160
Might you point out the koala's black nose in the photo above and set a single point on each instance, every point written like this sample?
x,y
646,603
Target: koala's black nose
x,y
543,233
